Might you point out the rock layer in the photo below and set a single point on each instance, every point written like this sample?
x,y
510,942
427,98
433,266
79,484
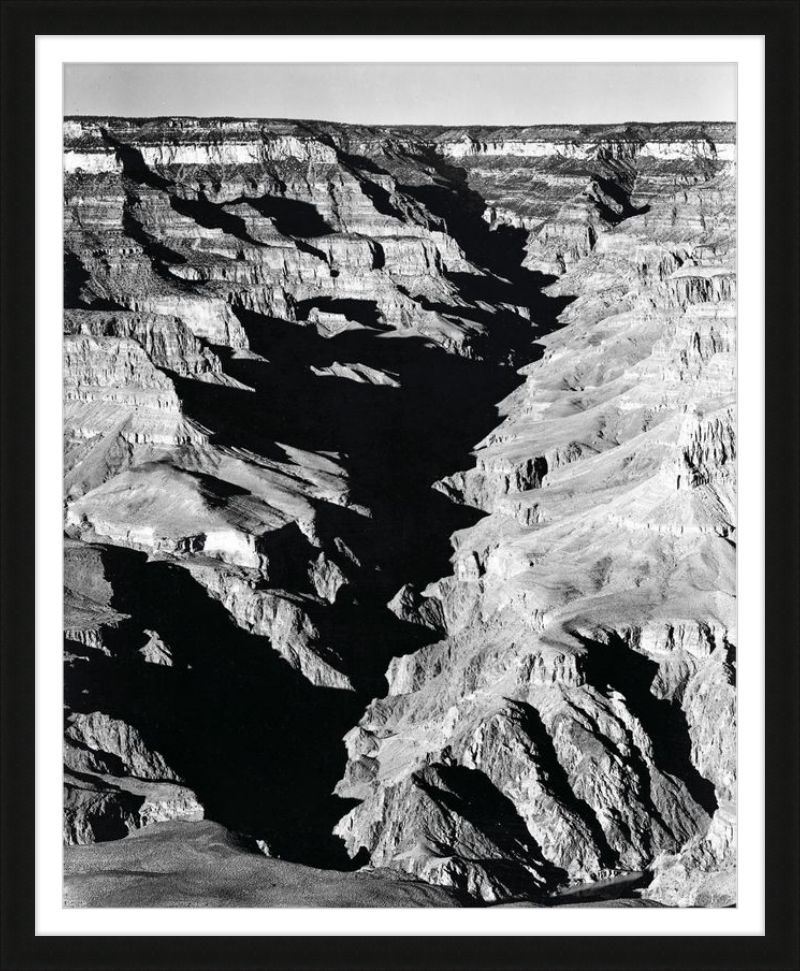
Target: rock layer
x,y
282,340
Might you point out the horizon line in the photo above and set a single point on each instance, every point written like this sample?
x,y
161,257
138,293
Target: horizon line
x,y
403,124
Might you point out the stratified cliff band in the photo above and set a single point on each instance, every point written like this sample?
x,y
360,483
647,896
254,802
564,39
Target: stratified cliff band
x,y
400,510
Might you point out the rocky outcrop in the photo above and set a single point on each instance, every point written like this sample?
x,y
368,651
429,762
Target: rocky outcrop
x,y
703,874
114,780
613,468
105,807
420,437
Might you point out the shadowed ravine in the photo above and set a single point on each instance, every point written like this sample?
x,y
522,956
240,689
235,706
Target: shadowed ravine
x,y
260,746
400,507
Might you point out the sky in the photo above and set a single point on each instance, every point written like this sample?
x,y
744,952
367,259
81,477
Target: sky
x,y
409,93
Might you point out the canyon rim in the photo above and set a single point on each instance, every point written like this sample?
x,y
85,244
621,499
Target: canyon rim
x,y
399,513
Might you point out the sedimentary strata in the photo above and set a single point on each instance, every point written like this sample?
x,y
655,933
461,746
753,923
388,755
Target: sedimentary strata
x,y
420,438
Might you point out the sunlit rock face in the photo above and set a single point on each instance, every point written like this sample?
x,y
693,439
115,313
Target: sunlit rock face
x,y
400,496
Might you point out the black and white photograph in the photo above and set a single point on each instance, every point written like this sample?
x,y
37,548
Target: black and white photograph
x,y
400,485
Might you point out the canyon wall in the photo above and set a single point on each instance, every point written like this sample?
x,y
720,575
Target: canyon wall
x,y
420,438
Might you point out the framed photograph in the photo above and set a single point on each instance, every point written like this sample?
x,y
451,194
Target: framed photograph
x,y
417,448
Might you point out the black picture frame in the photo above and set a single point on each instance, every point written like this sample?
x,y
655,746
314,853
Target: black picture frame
x,y
779,22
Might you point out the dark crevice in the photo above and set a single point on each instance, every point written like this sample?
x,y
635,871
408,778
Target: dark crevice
x,y
559,783
380,197
134,165
378,255
360,169
211,216
362,311
306,247
393,442
78,291
617,666
610,190
500,251
161,257
730,662
75,276
292,217
260,745
470,794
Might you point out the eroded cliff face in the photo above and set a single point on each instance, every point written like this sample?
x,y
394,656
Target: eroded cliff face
x,y
424,438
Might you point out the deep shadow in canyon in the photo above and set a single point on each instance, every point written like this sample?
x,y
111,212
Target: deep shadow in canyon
x,y
617,666
470,794
394,442
260,745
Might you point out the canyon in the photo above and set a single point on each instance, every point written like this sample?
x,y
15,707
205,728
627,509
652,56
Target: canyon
x,y
399,514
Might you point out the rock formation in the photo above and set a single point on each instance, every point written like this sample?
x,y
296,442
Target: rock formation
x,y
420,438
